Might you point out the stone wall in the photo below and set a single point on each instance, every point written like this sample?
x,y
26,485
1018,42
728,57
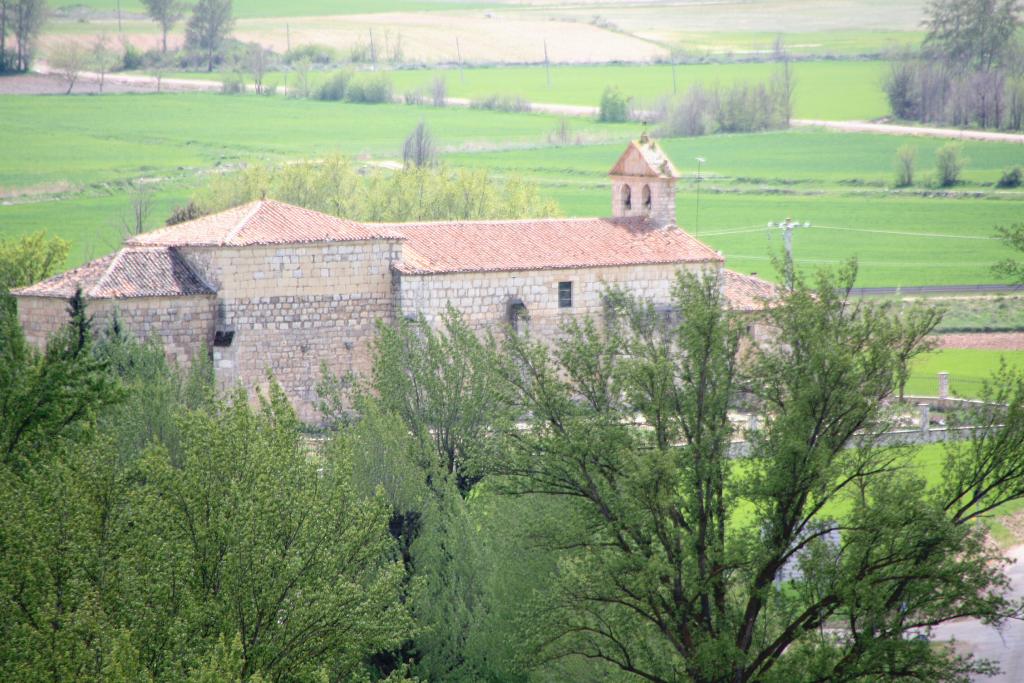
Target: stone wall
x,y
184,324
41,317
663,198
294,307
484,298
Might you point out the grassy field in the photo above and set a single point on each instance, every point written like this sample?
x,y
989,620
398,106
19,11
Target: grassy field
x,y
104,139
85,150
967,369
831,90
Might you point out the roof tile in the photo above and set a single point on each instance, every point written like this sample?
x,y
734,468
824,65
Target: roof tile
x,y
261,222
537,244
748,293
131,272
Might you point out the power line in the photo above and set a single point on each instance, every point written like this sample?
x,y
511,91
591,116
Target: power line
x,y
908,234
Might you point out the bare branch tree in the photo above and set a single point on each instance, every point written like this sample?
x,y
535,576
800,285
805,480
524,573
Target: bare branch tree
x,y
69,58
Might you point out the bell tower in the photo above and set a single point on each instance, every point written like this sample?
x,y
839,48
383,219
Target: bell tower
x,y
644,183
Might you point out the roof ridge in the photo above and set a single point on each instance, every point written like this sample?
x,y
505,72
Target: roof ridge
x,y
180,258
233,233
108,272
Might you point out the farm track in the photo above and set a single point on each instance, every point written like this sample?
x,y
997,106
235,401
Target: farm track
x,y
136,82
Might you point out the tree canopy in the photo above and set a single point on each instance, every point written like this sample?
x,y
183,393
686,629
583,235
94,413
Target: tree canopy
x,y
972,34
337,186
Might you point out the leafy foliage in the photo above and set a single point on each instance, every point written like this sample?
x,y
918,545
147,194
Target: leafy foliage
x,y
677,561
335,186
971,33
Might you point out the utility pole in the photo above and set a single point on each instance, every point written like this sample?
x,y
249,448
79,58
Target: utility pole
x,y
458,51
547,63
696,222
119,16
787,240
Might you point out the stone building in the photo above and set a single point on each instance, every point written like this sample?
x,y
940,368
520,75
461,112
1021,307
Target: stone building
x,y
269,286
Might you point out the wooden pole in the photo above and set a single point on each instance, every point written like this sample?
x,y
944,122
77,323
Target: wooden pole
x,y
119,16
288,37
547,63
458,50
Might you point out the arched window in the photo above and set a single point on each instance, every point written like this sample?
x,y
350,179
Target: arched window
x,y
646,196
627,198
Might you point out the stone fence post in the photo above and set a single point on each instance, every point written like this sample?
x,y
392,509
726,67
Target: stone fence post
x,y
943,385
925,410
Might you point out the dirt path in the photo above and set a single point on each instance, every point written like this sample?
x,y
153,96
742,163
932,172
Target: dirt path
x,y
998,341
922,131
139,82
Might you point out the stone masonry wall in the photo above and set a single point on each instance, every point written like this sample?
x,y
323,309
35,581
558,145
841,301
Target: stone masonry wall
x,y
41,317
483,298
663,198
183,324
295,307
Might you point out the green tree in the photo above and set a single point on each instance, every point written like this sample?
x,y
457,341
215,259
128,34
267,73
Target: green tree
x,y
209,25
25,19
336,186
50,395
166,13
431,410
614,106
29,259
973,34
1011,268
252,535
678,561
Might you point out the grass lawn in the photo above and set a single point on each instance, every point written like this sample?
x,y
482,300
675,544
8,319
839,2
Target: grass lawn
x,y
98,139
91,147
834,90
967,369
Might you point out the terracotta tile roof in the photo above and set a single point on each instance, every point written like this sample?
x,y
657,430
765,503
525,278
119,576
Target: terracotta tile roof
x,y
645,158
131,272
747,292
260,222
537,244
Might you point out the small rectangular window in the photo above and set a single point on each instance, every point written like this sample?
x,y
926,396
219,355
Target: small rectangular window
x,y
565,295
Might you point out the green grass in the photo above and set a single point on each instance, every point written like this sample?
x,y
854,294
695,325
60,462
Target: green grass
x,y
93,225
996,313
836,181
832,90
967,369
102,139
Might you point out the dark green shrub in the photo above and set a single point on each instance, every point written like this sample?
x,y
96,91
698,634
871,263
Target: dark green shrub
x,y
375,89
614,105
949,163
316,54
510,103
1011,177
233,84
132,59
335,88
